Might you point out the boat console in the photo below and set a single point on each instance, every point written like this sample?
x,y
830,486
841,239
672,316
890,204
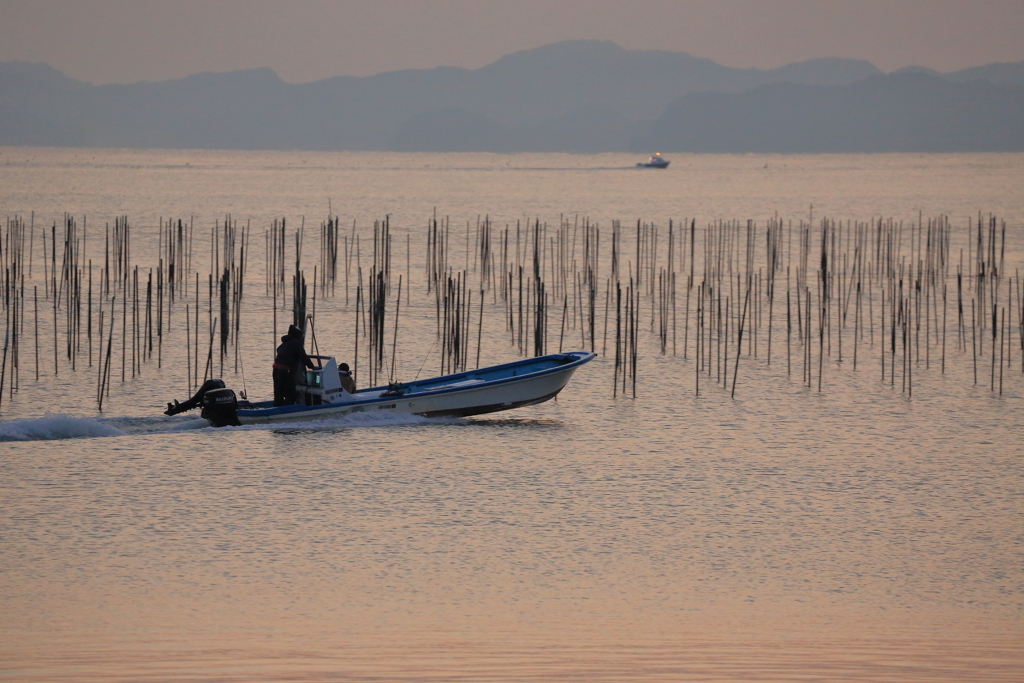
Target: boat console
x,y
321,384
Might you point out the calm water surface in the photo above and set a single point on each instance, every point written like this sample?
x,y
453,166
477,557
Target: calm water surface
x,y
787,534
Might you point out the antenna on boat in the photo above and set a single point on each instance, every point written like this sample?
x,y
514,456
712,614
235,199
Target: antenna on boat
x,y
425,360
316,347
241,364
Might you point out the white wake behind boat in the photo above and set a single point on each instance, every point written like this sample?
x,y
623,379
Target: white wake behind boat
x,y
474,392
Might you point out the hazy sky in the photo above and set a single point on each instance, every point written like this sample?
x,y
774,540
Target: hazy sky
x,y
105,41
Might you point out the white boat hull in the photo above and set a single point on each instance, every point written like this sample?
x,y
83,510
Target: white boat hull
x,y
463,394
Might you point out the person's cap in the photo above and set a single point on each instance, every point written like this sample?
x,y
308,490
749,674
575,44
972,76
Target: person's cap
x,y
294,331
343,367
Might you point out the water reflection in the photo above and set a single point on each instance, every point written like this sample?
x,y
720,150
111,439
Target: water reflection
x,y
784,534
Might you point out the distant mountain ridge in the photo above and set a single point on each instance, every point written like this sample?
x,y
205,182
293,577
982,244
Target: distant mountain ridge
x,y
576,96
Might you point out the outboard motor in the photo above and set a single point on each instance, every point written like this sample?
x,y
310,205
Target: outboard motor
x,y
219,404
220,407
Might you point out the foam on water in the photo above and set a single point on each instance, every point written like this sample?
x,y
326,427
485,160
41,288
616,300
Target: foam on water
x,y
55,427
353,420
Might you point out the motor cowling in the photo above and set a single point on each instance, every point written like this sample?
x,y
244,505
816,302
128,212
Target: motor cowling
x,y
197,399
220,407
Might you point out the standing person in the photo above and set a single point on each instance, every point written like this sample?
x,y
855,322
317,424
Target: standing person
x,y
347,383
291,356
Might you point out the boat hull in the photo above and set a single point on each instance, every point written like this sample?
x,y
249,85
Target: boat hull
x,y
656,161
488,390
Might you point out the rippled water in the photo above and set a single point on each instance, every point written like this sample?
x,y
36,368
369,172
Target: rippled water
x,y
786,534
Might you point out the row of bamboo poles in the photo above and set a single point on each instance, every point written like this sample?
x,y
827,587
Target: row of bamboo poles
x,y
882,292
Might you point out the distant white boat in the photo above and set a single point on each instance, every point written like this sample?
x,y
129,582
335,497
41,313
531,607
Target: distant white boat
x,y
475,392
656,161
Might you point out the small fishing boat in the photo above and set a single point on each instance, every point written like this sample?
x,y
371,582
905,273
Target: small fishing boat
x,y
320,394
656,161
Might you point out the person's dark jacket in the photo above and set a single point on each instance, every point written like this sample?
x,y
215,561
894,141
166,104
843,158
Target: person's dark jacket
x,y
292,354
